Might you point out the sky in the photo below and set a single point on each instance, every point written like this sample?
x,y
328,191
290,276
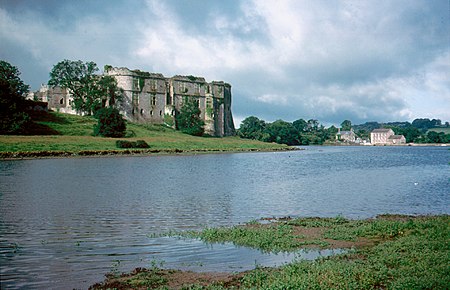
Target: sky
x,y
373,60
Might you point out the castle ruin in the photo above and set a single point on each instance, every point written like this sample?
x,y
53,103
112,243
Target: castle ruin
x,y
153,98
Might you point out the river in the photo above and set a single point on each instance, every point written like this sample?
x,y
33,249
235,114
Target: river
x,y
64,223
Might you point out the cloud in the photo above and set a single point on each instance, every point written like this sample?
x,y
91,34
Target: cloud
x,y
290,59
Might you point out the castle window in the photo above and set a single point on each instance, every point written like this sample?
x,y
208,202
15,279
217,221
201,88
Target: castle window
x,y
135,84
142,111
151,113
61,101
183,88
160,113
153,100
135,99
153,84
196,88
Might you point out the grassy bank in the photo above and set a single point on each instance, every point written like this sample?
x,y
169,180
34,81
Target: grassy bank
x,y
71,134
389,252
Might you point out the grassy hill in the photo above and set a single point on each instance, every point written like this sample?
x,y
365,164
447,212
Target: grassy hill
x,y
63,132
439,130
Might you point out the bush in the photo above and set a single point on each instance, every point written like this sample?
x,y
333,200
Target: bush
x,y
110,123
124,144
188,118
141,144
131,144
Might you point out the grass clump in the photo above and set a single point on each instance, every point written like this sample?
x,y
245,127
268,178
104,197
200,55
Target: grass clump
x,y
274,238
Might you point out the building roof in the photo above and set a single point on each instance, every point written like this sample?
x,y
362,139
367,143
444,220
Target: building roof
x,y
381,130
396,137
346,133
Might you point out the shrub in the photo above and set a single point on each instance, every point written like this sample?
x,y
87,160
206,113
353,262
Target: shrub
x,y
131,144
141,144
110,123
124,144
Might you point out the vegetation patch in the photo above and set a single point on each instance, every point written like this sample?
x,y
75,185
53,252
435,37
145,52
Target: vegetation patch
x,y
131,144
390,252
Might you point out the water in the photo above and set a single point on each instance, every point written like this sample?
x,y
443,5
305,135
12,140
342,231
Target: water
x,y
66,222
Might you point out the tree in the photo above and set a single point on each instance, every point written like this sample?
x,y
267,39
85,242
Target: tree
x,y
300,125
90,91
346,125
188,118
13,117
438,137
252,128
110,123
109,91
281,132
312,125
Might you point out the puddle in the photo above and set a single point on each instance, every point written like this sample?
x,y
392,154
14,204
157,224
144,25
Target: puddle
x,y
197,256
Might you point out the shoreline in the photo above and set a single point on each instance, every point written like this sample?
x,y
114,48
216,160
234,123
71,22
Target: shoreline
x,y
47,154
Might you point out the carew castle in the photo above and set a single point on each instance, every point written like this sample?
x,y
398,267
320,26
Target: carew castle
x,y
153,98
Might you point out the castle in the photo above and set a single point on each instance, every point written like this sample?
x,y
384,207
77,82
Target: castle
x,y
153,98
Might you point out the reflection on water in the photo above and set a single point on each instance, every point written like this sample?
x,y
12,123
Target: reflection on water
x,y
66,222
195,255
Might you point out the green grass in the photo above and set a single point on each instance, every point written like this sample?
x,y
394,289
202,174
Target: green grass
x,y
412,254
405,253
438,130
65,132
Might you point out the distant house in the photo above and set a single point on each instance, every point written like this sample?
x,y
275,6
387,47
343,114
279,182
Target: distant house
x,y
386,137
346,136
397,139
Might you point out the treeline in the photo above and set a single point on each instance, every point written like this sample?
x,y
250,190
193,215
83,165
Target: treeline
x,y
302,132
299,132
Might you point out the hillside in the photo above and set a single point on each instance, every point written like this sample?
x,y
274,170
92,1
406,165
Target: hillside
x,y
70,133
